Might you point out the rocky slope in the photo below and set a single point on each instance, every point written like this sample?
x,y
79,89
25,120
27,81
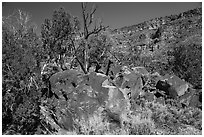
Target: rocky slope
x,y
161,32
154,40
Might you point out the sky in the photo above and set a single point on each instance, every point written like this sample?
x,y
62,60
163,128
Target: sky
x,y
113,14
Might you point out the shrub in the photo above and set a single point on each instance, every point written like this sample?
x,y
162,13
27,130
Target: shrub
x,y
187,63
20,96
192,117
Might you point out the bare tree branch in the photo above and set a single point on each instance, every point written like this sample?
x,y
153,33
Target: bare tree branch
x,y
75,57
108,67
82,67
104,51
84,4
86,17
88,21
91,16
96,31
114,57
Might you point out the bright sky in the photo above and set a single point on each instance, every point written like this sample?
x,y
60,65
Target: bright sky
x,y
113,14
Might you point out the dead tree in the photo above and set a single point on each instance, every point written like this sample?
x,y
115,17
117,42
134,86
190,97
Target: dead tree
x,y
88,22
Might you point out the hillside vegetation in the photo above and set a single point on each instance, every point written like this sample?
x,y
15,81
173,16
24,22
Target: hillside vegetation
x,y
76,79
157,41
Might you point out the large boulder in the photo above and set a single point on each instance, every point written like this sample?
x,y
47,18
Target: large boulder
x,y
172,85
80,96
133,81
129,80
117,103
178,84
191,98
63,80
169,91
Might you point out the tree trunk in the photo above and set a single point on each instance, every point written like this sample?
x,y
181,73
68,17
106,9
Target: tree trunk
x,y
86,51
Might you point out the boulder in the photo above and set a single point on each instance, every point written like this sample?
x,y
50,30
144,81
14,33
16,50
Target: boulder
x,y
172,85
194,101
167,88
191,98
178,84
117,102
140,70
133,81
64,80
91,92
116,98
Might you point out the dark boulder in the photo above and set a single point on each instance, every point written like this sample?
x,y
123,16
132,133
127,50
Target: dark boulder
x,y
167,88
179,85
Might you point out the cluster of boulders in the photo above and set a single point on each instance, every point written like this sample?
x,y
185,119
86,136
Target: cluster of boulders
x,y
74,95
